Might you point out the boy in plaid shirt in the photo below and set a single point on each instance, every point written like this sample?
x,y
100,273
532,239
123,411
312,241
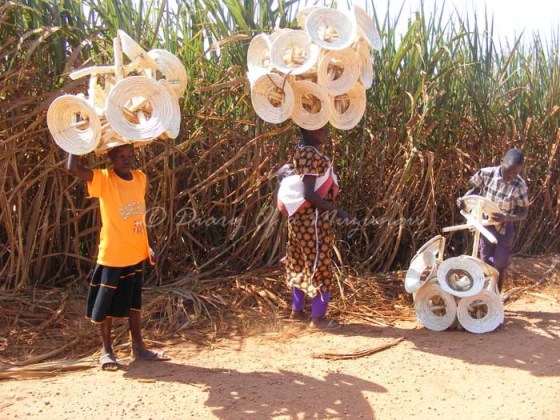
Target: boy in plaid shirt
x,y
504,186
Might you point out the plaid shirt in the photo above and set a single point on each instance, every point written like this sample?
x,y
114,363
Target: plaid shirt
x,y
508,196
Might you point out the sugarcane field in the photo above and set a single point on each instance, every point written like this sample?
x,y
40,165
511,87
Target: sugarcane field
x,y
287,209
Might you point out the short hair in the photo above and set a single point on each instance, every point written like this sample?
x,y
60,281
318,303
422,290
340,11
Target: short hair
x,y
112,150
514,157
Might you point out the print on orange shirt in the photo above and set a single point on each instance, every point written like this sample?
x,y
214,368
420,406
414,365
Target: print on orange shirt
x,y
123,240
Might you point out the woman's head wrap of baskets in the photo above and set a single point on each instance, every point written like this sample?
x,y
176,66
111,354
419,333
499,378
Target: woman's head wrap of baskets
x,y
273,98
172,69
119,107
338,71
74,124
366,63
258,57
366,28
331,29
294,53
303,13
348,109
312,107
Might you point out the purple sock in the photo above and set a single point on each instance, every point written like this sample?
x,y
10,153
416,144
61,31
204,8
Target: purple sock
x,y
298,299
319,305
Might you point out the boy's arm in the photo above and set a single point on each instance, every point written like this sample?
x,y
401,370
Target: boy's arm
x,y
74,166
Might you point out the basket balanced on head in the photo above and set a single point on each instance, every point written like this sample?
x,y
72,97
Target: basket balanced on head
x,y
324,68
135,102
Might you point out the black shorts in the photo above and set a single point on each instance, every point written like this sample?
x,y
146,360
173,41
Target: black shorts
x,y
114,292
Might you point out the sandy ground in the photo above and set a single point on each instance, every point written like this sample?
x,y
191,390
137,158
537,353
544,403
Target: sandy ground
x,y
512,373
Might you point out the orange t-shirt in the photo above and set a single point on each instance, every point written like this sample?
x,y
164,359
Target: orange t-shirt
x,y
123,240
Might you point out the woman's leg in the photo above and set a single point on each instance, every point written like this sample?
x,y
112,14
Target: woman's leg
x,y
320,304
298,300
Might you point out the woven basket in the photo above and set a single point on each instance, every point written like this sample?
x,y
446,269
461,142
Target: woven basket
x,y
331,29
421,269
74,124
258,55
172,69
136,54
273,98
434,308
366,28
293,53
366,64
129,97
303,13
481,313
338,71
461,276
311,105
174,127
348,109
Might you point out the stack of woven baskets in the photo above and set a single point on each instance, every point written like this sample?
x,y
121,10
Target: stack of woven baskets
x,y
459,288
317,74
133,101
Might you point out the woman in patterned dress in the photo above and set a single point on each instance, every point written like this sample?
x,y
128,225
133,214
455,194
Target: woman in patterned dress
x,y
311,234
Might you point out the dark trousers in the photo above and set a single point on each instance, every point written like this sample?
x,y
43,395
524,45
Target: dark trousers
x,y
498,255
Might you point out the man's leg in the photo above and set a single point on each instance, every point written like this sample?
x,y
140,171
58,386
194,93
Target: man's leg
x,y
486,248
502,253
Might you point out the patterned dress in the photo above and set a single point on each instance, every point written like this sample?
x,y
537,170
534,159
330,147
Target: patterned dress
x,y
310,232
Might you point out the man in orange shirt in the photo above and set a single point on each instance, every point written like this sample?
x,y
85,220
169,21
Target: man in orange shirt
x,y
116,287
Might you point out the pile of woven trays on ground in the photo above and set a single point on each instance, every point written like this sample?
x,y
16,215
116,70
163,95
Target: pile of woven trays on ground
x,y
135,100
317,74
459,290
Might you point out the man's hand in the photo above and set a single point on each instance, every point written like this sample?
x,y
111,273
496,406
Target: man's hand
x,y
501,217
461,203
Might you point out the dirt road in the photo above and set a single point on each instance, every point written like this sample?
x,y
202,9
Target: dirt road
x,y
512,373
